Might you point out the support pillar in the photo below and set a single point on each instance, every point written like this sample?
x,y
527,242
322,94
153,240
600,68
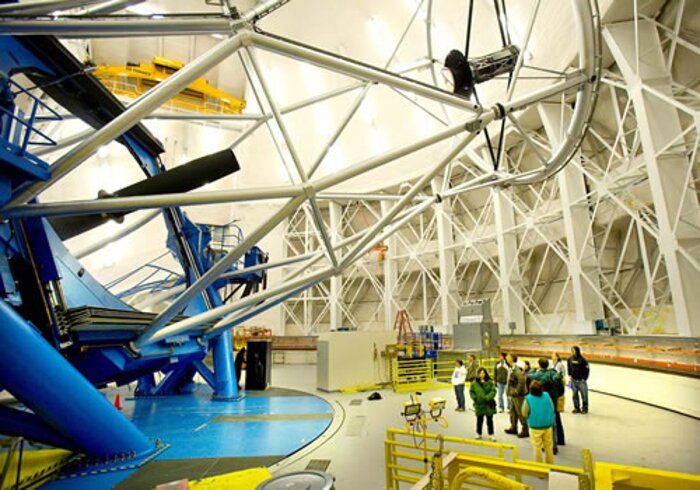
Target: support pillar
x,y
674,196
446,261
39,377
509,278
390,274
583,262
334,299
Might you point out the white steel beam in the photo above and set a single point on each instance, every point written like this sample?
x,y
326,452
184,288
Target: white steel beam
x,y
446,259
390,274
582,260
509,278
674,196
334,299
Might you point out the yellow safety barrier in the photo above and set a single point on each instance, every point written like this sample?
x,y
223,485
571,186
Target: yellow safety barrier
x,y
361,388
411,375
36,466
523,468
240,480
499,481
609,476
404,453
405,460
425,374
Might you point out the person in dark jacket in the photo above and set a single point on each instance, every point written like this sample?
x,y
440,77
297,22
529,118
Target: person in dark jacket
x,y
553,385
526,373
578,369
239,365
516,391
472,367
483,392
500,375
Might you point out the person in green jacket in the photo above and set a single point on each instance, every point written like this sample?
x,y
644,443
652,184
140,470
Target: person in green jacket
x,y
483,392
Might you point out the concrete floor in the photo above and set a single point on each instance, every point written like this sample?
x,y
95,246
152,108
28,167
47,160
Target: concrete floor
x,y
616,431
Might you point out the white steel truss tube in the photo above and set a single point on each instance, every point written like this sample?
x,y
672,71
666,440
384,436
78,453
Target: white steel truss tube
x,y
43,7
231,320
417,187
328,181
212,274
106,8
142,27
133,203
359,70
64,143
308,190
117,236
195,321
146,104
302,283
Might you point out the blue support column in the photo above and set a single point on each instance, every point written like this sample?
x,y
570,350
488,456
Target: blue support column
x,y
177,380
206,373
146,385
224,373
38,376
17,423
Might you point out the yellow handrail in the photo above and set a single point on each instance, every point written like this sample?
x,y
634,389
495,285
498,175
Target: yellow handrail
x,y
502,482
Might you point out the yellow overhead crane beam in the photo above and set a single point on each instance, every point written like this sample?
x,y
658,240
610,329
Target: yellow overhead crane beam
x,y
133,80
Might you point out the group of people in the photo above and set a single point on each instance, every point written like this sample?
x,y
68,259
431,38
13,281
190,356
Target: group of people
x,y
534,397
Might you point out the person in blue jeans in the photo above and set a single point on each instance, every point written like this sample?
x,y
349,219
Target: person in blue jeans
x,y
500,376
579,370
459,376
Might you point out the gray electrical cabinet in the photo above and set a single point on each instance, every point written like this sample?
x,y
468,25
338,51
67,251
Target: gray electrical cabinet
x,y
475,330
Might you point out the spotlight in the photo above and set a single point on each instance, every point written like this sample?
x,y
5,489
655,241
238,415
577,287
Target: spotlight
x,y
462,74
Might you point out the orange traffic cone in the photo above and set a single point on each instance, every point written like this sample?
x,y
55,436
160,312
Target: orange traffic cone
x,y
118,402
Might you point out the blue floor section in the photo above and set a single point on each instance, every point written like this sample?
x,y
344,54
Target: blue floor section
x,y
186,422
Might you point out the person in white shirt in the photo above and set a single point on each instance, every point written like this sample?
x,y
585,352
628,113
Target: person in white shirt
x,y
459,376
558,365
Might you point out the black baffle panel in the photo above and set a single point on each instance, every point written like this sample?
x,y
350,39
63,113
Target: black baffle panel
x,y
258,364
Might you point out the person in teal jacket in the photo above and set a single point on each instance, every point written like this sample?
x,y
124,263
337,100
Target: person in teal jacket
x,y
483,392
539,410
553,384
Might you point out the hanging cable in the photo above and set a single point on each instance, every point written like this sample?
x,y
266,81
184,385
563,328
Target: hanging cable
x,y
500,24
487,136
469,28
505,36
84,71
505,21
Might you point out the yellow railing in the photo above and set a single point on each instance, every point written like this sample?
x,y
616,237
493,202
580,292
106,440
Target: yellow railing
x,y
404,453
411,375
607,475
498,466
405,460
424,374
135,80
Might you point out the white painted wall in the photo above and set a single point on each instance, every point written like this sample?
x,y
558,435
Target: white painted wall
x,y
679,393
346,359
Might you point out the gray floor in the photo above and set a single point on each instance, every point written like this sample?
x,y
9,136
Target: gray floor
x,y
616,430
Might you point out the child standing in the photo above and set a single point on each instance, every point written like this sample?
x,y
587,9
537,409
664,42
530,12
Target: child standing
x,y
483,392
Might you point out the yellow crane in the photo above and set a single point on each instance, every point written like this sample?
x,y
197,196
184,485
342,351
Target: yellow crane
x,y
135,79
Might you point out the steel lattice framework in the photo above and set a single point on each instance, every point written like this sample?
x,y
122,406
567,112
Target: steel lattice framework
x,y
511,220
